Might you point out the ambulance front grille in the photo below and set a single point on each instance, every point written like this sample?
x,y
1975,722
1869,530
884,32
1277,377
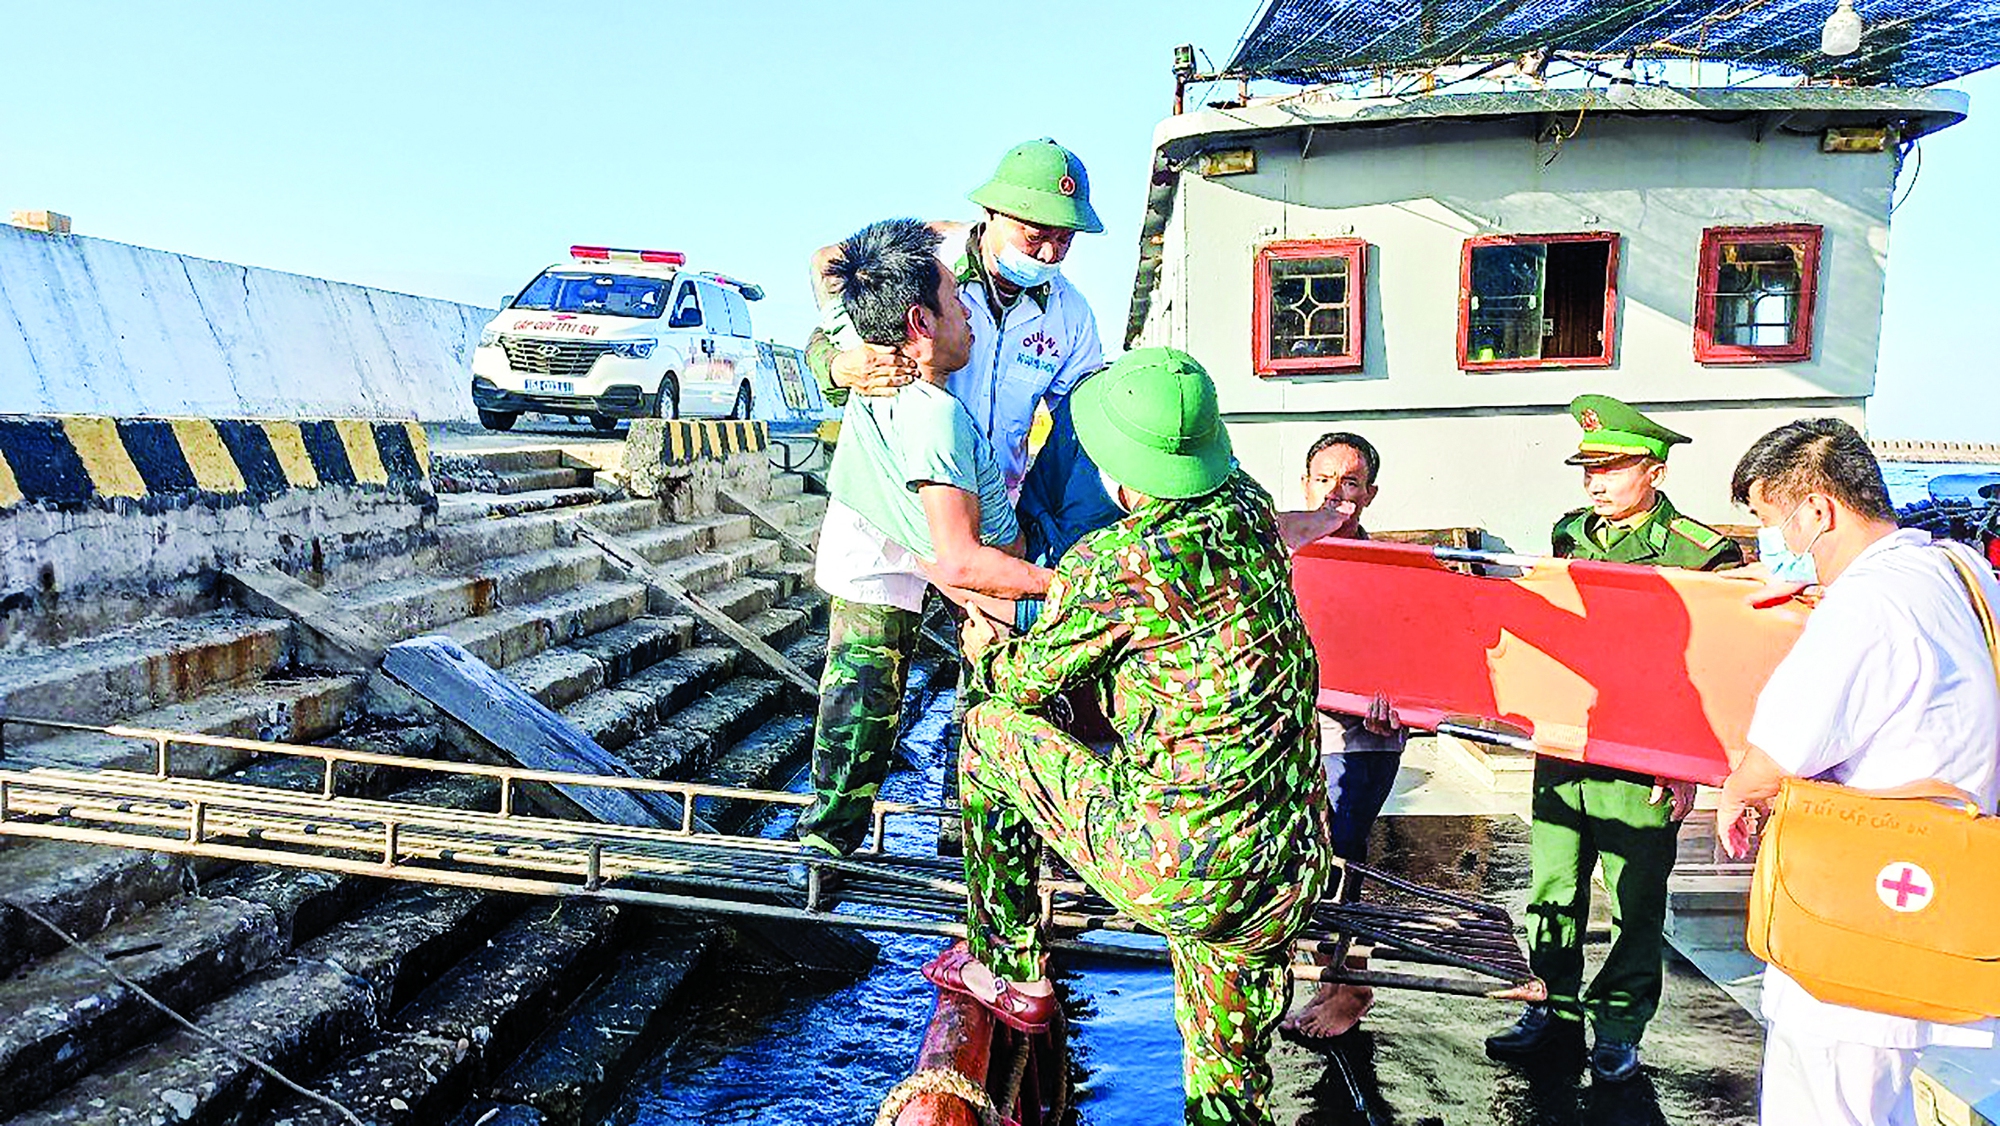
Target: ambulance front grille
x,y
565,359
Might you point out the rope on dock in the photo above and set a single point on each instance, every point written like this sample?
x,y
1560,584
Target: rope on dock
x,y
938,1081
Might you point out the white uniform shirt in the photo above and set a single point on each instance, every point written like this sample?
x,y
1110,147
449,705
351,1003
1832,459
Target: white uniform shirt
x,y
1891,682
1048,343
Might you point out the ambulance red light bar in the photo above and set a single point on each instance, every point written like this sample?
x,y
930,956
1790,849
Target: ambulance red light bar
x,y
611,254
750,291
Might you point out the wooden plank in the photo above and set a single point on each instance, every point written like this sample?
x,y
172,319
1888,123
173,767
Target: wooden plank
x,y
351,642
502,713
795,548
715,619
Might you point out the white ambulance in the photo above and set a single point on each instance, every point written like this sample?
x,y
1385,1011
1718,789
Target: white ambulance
x,y
617,334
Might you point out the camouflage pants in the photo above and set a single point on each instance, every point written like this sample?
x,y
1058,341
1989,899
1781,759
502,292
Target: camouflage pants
x,y
868,651
1025,781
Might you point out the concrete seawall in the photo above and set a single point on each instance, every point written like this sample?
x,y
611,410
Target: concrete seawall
x,y
89,326
1963,453
107,521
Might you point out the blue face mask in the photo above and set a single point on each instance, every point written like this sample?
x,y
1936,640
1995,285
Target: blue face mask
x,y
1027,272
1786,565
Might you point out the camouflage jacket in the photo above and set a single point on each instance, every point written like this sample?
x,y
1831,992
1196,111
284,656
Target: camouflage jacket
x,y
1180,617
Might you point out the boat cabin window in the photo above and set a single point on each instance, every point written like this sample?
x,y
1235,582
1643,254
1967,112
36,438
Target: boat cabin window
x,y
1538,301
1308,307
1754,303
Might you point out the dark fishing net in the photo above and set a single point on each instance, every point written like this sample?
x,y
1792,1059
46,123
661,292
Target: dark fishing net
x,y
1904,42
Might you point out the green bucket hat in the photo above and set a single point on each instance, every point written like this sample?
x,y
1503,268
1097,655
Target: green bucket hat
x,y
1043,183
1150,423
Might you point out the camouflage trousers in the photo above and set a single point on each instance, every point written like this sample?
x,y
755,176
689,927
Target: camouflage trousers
x,y
868,651
1026,782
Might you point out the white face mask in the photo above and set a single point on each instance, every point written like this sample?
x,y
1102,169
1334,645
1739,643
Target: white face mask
x,y
1110,489
1019,267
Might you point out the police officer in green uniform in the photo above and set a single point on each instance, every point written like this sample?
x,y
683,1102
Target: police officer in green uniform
x,y
1587,814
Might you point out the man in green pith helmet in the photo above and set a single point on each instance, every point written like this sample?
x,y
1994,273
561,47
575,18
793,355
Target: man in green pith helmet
x,y
1033,339
1586,814
1034,334
1206,819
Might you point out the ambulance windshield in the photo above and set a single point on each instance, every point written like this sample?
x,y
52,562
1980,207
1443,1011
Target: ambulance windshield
x,y
602,294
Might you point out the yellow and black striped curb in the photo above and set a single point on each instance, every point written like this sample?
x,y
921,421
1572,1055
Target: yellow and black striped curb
x,y
80,461
688,440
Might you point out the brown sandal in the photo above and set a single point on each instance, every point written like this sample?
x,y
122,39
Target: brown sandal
x,y
1013,1008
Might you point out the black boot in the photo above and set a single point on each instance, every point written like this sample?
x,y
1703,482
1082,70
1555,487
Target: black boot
x,y
1614,1061
1538,1037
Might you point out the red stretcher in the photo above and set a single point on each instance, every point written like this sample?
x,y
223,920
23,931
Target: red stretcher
x,y
1654,670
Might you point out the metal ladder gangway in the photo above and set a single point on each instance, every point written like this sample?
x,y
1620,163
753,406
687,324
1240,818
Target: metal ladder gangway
x,y
299,816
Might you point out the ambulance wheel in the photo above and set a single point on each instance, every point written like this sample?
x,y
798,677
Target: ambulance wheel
x,y
603,423
667,404
741,408
498,420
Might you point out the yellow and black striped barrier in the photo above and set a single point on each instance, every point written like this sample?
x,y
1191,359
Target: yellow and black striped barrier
x,y
76,461
692,440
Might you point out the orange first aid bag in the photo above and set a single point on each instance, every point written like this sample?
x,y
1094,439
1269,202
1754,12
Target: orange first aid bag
x,y
1883,900
1880,902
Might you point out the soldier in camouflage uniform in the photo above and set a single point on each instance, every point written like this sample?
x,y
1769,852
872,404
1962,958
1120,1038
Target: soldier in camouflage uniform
x,y
1584,814
1207,820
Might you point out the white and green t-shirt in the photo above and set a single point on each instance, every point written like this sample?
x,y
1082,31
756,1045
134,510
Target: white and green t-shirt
x,y
892,445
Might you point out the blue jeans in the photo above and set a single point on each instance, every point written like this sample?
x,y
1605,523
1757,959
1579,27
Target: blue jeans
x,y
1360,772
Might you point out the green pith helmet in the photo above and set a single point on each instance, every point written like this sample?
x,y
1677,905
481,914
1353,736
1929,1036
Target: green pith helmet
x,y
1043,183
1612,430
1150,423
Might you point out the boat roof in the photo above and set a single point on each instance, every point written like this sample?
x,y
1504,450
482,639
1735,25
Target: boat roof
x,y
1180,138
1903,42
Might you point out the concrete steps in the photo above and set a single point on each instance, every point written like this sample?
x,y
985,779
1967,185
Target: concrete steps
x,y
454,508
392,999
521,579
68,1011
508,459
516,633
295,1015
756,761
430,1056
136,670
66,1016
507,471
594,1047
301,709
473,540
85,888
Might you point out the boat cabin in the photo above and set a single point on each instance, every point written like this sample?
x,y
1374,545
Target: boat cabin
x,y
1443,273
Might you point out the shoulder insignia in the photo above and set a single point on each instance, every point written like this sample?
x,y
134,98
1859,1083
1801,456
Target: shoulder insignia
x,y
1700,534
1569,532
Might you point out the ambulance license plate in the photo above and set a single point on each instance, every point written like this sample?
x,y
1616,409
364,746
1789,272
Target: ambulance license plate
x,y
552,386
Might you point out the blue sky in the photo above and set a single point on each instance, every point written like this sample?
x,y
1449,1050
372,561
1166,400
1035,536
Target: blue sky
x,y
452,149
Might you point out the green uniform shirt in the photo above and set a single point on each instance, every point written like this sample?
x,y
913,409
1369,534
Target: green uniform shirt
x,y
1664,538
1181,616
892,444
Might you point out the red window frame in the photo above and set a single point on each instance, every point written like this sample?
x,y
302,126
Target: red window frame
x,y
1355,251
1706,349
1603,359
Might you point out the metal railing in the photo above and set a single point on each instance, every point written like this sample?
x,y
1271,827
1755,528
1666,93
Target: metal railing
x,y
686,864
